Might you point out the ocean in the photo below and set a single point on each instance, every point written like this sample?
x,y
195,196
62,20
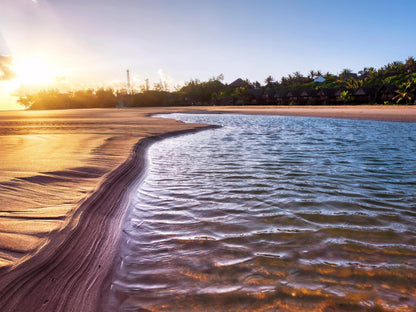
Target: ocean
x,y
273,213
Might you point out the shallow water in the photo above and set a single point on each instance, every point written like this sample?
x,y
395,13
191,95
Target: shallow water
x,y
274,213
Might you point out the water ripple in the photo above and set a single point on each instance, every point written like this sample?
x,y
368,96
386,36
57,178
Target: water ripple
x,y
274,214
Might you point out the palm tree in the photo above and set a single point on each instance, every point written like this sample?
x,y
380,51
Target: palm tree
x,y
312,74
297,75
346,97
354,84
346,71
345,74
405,92
410,65
269,80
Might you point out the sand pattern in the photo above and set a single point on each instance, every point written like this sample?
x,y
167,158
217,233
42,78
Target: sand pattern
x,y
54,166
65,177
50,162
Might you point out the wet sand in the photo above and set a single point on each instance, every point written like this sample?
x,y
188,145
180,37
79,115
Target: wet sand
x,y
372,112
65,180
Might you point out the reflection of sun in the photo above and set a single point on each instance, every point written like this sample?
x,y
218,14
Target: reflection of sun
x,y
34,71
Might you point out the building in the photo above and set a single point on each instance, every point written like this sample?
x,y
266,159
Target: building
x,y
365,95
308,97
386,93
238,83
327,96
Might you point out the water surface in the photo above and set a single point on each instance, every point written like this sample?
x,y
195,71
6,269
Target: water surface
x,y
274,213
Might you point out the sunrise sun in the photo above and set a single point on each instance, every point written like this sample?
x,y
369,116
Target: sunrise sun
x,y
34,71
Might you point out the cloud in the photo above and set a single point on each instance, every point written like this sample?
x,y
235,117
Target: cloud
x,y
35,1
5,71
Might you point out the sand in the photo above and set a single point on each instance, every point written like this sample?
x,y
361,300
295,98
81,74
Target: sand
x,y
373,112
65,181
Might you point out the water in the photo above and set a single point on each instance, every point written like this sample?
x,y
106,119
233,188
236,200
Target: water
x,y
274,213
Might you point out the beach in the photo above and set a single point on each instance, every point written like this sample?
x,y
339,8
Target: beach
x,y
65,180
371,112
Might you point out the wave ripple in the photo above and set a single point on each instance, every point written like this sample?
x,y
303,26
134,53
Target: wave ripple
x,y
274,213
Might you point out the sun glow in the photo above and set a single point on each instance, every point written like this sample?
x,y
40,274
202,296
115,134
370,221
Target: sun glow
x,y
35,71
9,86
30,74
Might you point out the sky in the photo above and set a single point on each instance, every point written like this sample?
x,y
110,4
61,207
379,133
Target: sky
x,y
91,43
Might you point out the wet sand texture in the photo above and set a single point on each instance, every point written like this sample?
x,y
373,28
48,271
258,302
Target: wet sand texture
x,y
62,200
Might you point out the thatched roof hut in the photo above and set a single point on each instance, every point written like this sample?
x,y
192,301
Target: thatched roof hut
x,y
327,96
365,94
238,83
386,93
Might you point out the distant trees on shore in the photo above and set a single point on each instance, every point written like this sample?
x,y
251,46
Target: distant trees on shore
x,y
394,83
53,99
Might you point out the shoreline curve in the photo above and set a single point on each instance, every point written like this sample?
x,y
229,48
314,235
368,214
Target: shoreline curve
x,y
51,280
73,272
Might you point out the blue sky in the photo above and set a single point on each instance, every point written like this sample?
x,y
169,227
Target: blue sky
x,y
92,42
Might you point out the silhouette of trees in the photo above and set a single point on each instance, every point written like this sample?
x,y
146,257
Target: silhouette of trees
x,y
398,77
410,65
392,69
345,73
241,95
105,98
196,91
53,99
268,80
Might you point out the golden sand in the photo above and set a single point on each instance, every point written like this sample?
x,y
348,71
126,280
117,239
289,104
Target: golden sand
x,y
65,177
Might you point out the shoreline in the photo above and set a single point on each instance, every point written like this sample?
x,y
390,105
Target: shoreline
x,y
67,275
63,175
72,271
394,113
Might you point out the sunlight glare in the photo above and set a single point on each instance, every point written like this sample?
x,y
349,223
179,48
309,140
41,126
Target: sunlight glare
x,y
9,86
34,71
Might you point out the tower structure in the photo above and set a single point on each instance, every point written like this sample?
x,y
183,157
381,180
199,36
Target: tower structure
x,y
128,82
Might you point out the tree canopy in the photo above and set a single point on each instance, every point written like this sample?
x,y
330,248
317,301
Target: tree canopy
x,y
400,77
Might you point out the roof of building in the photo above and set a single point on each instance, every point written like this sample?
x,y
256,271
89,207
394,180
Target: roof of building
x,y
319,79
238,83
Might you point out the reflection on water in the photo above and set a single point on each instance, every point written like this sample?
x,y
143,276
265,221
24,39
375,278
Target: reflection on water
x,y
274,214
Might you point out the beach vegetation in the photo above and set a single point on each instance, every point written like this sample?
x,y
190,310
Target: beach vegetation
x,y
346,97
410,65
406,92
393,83
268,80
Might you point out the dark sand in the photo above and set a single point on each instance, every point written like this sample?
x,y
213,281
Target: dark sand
x,y
65,180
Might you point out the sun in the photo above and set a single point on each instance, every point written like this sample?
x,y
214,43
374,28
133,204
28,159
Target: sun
x,y
9,86
34,71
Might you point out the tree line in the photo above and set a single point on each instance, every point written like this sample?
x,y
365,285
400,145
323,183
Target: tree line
x,y
394,82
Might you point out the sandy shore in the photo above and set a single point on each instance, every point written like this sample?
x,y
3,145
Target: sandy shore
x,y
385,113
65,178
